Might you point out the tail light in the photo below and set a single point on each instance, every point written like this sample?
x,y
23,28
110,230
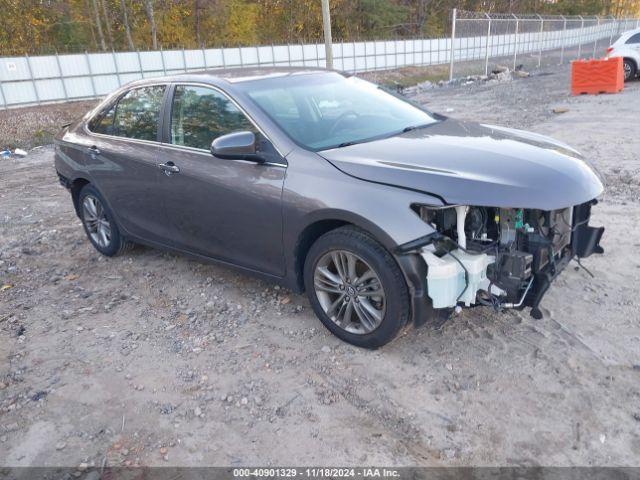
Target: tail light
x,y
609,50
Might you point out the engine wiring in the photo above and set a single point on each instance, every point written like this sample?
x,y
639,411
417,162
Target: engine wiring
x,y
540,237
466,274
493,300
577,259
574,228
494,244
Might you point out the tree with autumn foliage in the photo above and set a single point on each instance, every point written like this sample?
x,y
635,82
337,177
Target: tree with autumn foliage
x,y
46,26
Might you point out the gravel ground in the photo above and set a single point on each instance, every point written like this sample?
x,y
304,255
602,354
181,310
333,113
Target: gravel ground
x,y
155,359
35,126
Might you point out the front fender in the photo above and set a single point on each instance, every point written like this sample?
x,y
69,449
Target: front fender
x,y
345,216
315,191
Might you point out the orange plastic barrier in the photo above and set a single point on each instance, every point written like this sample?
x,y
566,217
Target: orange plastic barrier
x,y
597,76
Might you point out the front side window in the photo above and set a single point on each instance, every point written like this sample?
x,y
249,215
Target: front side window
x,y
634,38
201,114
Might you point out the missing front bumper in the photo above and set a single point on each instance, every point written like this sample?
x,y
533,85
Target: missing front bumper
x,y
585,240
581,241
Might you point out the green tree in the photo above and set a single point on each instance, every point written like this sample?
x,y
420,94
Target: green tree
x,y
379,18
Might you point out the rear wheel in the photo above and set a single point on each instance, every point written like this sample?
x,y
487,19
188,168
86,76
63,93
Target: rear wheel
x,y
356,288
630,69
99,224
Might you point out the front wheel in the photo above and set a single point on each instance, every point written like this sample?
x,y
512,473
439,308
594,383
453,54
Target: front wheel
x,y
630,69
356,288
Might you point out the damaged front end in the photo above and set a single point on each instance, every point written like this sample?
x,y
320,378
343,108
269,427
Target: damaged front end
x,y
500,257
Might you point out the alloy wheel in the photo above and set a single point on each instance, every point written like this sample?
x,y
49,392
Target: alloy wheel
x,y
96,221
627,70
349,291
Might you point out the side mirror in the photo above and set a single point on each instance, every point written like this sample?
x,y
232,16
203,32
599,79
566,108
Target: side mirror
x,y
236,146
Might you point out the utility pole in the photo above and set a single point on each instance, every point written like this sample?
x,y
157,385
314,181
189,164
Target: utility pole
x,y
326,23
454,16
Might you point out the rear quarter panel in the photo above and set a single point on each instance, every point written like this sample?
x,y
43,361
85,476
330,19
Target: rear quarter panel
x,y
69,151
626,51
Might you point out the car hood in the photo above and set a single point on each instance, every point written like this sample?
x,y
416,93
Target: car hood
x,y
471,164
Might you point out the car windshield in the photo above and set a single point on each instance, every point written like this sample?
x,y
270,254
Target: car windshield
x,y
320,111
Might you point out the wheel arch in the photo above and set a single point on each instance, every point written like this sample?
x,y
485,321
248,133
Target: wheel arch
x,y
324,222
75,187
634,67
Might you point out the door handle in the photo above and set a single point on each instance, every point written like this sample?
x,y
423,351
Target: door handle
x,y
168,168
93,150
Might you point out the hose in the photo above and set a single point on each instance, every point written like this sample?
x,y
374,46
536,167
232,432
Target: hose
x,y
519,304
466,275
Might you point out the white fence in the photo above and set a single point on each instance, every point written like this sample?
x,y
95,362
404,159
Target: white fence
x,y
53,78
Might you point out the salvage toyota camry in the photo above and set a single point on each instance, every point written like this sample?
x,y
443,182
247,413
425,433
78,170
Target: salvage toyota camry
x,y
384,213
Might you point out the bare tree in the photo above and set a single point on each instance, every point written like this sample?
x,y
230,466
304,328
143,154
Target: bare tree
x,y
196,7
91,29
103,44
148,6
107,22
127,28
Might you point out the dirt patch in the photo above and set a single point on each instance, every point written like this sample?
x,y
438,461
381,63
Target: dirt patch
x,y
34,126
408,76
155,359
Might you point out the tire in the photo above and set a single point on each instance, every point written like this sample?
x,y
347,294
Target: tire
x,y
630,69
99,223
374,267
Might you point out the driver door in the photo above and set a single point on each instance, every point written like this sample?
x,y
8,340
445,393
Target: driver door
x,y
230,210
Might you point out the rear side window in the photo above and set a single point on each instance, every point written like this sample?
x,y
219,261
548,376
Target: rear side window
x,y
201,114
634,39
135,115
138,112
103,122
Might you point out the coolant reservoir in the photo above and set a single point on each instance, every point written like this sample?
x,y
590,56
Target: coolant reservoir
x,y
446,277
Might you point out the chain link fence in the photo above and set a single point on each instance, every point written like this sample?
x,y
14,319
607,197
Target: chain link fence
x,y
481,41
477,43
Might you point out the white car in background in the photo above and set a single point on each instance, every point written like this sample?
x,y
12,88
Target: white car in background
x,y
628,47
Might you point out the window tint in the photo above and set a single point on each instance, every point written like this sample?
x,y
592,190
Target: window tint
x,y
634,38
138,112
200,114
103,121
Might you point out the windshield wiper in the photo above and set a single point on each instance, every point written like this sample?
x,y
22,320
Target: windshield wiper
x,y
393,134
346,144
415,127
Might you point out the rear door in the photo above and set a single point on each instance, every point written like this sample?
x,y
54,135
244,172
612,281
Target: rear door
x,y
122,157
227,209
634,43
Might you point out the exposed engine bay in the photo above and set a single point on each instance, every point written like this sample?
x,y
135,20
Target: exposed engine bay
x,y
504,258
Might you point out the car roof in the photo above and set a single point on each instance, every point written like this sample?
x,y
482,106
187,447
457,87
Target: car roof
x,y
233,75
624,36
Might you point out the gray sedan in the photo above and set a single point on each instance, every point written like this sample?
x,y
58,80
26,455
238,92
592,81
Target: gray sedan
x,y
386,214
